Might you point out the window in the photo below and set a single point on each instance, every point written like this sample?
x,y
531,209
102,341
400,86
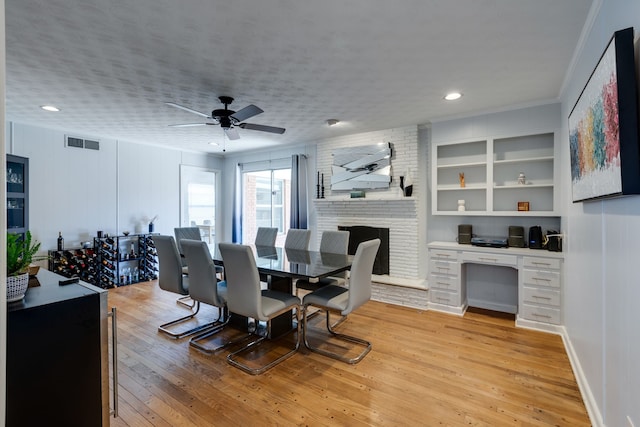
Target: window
x,y
266,198
198,200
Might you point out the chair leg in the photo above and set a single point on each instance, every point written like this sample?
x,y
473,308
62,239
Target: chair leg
x,y
185,301
343,337
231,358
177,335
195,340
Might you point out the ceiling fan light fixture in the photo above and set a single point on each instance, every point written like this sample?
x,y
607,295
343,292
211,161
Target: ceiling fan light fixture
x,y
332,122
452,96
51,108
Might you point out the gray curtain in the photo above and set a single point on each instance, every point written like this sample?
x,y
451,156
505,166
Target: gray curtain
x,y
299,211
236,230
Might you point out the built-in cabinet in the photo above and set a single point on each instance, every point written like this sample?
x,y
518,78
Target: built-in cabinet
x,y
492,175
536,282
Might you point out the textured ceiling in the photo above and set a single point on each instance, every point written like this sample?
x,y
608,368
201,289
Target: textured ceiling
x,y
110,65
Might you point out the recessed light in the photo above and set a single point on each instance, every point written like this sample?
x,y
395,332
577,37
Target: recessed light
x,y
50,108
215,144
452,96
332,122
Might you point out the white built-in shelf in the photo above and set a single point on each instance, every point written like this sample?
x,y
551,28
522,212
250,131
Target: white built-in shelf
x,y
491,167
463,165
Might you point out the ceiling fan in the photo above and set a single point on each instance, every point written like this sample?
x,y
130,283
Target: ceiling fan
x,y
229,120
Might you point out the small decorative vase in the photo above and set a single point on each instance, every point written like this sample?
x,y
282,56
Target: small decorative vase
x,y
17,287
150,227
521,179
461,206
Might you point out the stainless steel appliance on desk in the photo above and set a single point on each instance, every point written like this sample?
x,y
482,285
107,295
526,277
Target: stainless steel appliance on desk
x,y
57,355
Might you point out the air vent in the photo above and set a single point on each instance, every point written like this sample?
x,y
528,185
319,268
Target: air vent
x,y
72,141
91,145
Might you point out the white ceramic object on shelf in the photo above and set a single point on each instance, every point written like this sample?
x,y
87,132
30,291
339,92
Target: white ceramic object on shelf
x,y
461,205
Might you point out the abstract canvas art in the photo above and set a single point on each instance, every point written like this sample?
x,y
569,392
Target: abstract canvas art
x,y
603,126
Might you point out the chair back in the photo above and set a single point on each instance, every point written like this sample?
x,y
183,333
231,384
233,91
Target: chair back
x,y
297,239
335,242
244,295
360,278
266,236
170,276
191,233
203,283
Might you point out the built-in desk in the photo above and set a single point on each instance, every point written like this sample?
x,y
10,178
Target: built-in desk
x,y
537,282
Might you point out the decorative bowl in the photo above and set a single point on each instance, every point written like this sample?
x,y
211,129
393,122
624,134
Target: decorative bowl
x,y
17,287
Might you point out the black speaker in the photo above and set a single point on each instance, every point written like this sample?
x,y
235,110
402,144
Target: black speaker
x,y
516,236
464,234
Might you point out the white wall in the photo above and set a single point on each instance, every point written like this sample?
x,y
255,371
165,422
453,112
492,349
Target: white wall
x,y
602,286
118,188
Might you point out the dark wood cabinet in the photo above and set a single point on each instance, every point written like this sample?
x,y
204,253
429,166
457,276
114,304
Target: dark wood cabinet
x,y
57,355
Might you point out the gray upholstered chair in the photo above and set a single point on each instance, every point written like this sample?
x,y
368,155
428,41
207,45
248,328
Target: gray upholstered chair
x,y
266,236
297,239
171,279
332,298
204,287
333,242
190,233
245,298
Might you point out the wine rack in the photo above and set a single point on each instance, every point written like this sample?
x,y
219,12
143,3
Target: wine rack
x,y
79,263
124,260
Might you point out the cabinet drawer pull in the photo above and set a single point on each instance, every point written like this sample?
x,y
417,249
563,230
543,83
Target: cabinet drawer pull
x,y
444,283
542,279
540,263
545,316
445,255
539,297
489,259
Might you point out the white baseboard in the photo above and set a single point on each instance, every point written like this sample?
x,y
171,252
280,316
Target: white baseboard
x,y
583,384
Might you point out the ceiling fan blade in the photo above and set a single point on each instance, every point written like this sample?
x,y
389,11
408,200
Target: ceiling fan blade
x,y
247,112
262,128
186,125
173,104
232,133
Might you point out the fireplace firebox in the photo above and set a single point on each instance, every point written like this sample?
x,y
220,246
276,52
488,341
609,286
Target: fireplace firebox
x,y
362,233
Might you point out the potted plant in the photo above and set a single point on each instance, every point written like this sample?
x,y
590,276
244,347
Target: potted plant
x,y
21,251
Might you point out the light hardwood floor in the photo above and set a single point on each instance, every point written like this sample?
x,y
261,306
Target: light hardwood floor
x,y
426,368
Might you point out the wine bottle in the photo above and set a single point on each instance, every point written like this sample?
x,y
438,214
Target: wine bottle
x,y
60,241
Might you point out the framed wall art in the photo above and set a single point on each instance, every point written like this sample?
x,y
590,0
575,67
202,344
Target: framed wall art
x,y
603,127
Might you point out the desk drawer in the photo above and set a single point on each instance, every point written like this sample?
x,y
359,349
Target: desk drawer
x,y
439,281
540,314
490,258
541,296
444,297
439,266
541,278
541,263
443,254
